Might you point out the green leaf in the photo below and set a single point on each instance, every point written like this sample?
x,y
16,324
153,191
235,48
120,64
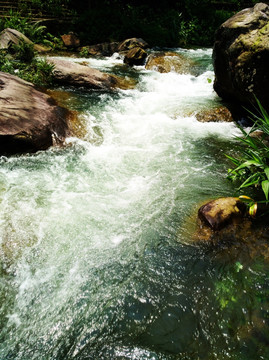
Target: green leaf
x,y
238,266
267,172
247,164
251,180
265,188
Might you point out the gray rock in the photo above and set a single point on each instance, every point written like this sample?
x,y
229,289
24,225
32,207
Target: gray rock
x,y
9,37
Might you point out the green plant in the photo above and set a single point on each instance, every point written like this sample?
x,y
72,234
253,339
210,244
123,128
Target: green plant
x,y
23,51
84,53
35,31
252,165
38,71
14,20
32,29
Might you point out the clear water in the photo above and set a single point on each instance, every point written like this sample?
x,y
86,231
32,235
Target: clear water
x,y
97,256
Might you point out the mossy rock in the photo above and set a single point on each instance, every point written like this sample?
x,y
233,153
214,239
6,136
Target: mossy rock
x,y
241,56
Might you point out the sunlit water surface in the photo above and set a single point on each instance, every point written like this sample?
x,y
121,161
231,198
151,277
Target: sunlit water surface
x,y
97,253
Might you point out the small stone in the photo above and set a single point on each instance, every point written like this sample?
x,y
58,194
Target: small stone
x,y
218,213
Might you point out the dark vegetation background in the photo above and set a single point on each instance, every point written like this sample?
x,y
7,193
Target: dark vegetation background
x,y
161,23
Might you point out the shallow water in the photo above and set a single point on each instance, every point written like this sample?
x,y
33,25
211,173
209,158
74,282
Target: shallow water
x,y
97,256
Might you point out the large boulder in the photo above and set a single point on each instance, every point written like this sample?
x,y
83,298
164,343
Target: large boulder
x,y
9,37
71,73
241,57
29,119
168,61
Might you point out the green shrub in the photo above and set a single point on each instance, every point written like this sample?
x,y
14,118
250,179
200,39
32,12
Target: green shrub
x,y
252,165
23,51
38,71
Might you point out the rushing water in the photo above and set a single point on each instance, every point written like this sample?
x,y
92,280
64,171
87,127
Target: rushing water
x,y
97,254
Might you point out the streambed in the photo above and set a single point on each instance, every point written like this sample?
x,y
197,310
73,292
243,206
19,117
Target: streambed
x,y
97,257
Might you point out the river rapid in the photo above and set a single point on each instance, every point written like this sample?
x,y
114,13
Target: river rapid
x,y
97,256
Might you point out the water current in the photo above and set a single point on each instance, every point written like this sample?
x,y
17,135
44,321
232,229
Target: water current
x,y
97,255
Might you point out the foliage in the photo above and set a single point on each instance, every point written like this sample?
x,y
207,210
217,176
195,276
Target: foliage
x,y
14,20
192,22
37,71
57,7
252,166
23,51
84,53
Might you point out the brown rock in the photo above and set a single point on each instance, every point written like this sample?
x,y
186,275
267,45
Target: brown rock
x,y
135,56
70,40
29,119
165,62
132,43
218,213
71,73
219,114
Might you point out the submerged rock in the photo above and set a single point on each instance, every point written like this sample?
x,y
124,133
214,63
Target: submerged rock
x,y
219,114
71,73
165,62
241,56
29,119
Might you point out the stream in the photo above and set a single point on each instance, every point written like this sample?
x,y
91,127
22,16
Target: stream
x,y
97,254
